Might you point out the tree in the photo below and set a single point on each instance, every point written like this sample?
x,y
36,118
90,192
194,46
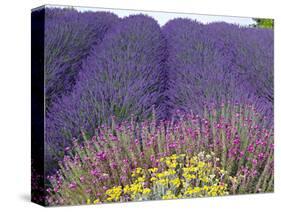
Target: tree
x,y
264,23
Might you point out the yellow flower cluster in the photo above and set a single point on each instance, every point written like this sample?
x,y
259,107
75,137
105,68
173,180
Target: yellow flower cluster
x,y
214,190
169,195
88,201
114,193
177,176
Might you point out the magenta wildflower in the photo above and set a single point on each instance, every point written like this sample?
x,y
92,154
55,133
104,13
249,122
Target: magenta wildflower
x,y
101,156
72,185
250,148
258,142
261,156
82,179
94,172
236,141
113,165
172,145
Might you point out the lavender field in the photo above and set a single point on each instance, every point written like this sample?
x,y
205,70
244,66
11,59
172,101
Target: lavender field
x,y
137,111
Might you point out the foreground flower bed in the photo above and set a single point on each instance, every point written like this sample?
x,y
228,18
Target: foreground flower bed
x,y
227,151
177,176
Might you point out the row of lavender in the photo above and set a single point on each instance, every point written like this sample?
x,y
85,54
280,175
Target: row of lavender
x,y
99,66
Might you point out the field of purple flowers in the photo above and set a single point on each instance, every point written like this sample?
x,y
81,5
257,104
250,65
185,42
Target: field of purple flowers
x,y
135,111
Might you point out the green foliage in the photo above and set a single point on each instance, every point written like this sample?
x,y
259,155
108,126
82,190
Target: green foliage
x,y
264,23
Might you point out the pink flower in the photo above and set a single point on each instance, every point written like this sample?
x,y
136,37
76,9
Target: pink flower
x,y
126,161
254,161
219,126
236,141
72,185
241,154
101,156
113,138
88,190
261,156
113,165
258,142
152,158
82,179
250,148
263,143
172,145
94,172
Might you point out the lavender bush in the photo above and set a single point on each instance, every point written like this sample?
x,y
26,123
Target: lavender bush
x,y
218,62
121,77
69,36
139,161
256,68
247,53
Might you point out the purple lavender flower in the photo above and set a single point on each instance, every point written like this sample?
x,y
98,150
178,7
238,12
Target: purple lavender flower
x,y
69,36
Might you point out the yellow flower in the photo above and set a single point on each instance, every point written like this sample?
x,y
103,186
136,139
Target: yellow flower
x,y
88,201
153,179
201,164
204,179
171,172
196,190
205,188
176,182
153,170
160,175
136,188
193,160
146,191
189,176
163,181
192,177
138,170
169,195
223,171
126,189
114,193
173,157
141,179
96,201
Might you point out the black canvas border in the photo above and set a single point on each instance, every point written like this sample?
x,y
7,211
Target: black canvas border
x,y
38,192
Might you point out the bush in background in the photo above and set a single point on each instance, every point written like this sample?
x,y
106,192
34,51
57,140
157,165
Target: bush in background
x,y
217,63
69,37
